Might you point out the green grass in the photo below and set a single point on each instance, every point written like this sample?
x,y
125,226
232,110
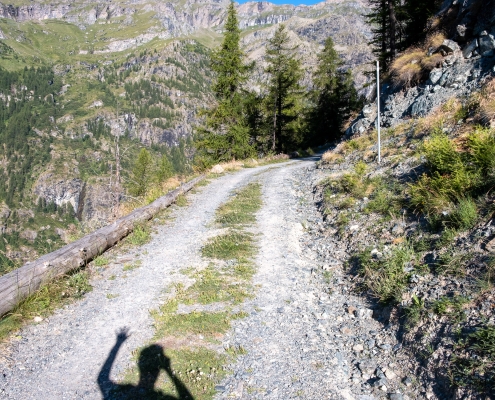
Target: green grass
x,y
133,266
453,263
451,307
386,278
228,285
473,360
228,246
139,236
198,369
101,261
196,365
242,208
414,312
45,301
181,200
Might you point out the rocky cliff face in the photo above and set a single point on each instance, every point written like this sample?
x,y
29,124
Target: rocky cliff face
x,y
466,65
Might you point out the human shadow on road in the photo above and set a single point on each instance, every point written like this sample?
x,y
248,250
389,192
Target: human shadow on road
x,y
151,360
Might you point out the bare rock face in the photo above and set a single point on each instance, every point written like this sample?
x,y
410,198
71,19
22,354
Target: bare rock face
x,y
97,207
59,191
29,234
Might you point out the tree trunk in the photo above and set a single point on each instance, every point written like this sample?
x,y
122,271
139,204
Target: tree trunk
x,y
393,29
26,280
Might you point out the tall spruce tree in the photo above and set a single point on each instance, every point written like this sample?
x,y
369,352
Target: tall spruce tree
x,y
417,13
225,134
385,18
283,101
334,97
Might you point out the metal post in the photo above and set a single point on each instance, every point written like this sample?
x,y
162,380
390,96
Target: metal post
x,y
378,108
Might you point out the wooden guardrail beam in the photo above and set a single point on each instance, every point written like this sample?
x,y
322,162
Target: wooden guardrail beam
x,y
17,285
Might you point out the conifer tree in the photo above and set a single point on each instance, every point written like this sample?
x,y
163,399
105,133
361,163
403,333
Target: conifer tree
x,y
141,173
334,97
417,13
225,134
284,92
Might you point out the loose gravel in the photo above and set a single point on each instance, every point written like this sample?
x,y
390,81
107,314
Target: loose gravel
x,y
60,358
306,335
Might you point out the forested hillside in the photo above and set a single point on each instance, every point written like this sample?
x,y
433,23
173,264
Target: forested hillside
x,y
85,88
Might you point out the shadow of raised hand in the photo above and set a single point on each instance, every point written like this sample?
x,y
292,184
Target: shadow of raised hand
x,y
152,360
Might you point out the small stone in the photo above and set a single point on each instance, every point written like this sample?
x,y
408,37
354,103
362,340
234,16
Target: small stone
x,y
390,374
364,313
358,348
38,319
353,228
490,246
346,331
383,388
450,46
468,50
435,75
408,381
461,30
217,169
351,310
396,396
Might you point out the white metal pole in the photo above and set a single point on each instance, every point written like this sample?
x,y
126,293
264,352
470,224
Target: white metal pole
x,y
378,107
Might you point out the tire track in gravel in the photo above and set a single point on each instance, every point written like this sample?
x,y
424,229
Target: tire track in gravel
x,y
60,358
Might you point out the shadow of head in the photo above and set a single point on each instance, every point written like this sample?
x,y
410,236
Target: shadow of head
x,y
151,360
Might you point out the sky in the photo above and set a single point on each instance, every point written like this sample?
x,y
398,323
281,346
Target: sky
x,y
294,2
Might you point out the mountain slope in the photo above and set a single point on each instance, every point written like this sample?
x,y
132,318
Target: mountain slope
x,y
137,71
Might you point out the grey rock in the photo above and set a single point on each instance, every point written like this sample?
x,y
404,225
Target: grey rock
x,y
461,30
435,75
468,50
450,46
420,107
364,313
369,111
396,396
29,234
486,45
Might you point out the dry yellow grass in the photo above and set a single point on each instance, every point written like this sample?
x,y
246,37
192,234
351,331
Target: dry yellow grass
x,y
486,111
331,157
415,63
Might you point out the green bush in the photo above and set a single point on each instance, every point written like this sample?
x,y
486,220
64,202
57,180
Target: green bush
x,y
465,215
473,360
387,278
457,176
441,154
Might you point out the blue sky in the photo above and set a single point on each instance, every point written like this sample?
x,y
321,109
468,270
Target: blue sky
x,y
295,2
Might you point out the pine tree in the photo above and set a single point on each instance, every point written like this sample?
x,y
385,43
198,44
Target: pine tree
x,y
334,97
141,174
165,168
386,33
225,134
417,13
284,92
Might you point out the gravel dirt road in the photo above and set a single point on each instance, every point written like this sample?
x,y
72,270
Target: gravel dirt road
x,y
294,337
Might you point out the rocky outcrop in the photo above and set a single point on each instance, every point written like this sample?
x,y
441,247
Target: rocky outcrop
x,y
463,70
59,191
